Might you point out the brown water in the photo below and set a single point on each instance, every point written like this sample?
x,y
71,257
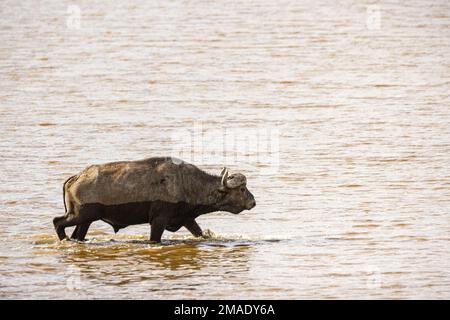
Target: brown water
x,y
353,201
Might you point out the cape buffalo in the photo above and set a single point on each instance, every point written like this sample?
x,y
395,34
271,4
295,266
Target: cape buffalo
x,y
165,192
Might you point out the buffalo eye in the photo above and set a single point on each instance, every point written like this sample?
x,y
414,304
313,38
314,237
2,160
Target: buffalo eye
x,y
242,189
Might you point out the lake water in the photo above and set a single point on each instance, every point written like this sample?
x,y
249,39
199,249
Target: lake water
x,y
352,192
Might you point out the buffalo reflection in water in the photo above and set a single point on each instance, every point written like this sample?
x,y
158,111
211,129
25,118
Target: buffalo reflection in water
x,y
133,261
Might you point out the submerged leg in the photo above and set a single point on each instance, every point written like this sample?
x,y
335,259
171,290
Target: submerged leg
x,y
194,228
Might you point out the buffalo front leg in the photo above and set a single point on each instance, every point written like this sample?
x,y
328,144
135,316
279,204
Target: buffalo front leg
x,y
194,228
158,225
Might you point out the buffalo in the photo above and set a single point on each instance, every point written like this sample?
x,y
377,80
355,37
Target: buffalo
x,y
165,192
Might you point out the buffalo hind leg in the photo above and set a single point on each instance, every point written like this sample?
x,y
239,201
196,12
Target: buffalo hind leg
x,y
85,215
75,232
66,221
80,231
59,228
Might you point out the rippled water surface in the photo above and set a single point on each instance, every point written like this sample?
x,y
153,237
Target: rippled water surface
x,y
357,207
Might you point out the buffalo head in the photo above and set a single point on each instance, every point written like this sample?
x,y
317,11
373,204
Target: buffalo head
x,y
235,195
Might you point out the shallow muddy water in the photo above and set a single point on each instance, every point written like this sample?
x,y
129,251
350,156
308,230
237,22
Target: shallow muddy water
x,y
352,192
